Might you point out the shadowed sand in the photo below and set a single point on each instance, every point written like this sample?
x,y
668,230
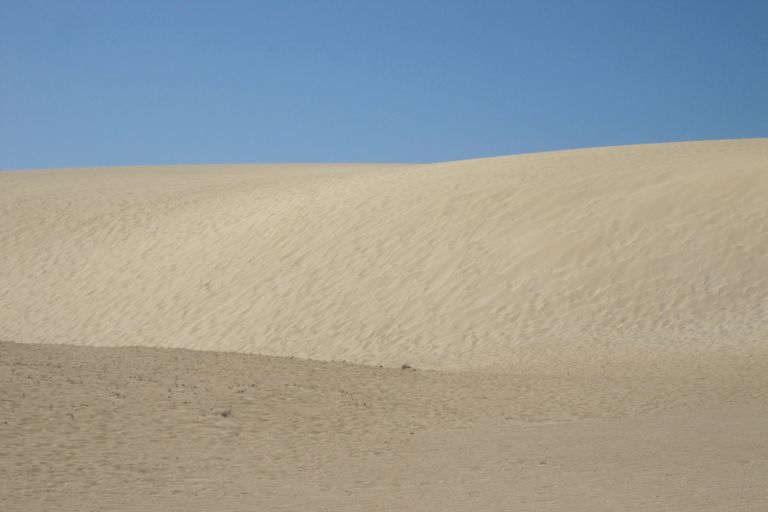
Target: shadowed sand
x,y
587,330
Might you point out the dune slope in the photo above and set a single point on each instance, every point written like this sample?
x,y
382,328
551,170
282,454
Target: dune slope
x,y
607,308
519,260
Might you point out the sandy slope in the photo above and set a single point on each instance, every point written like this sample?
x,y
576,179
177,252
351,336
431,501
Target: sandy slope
x,y
607,309
459,264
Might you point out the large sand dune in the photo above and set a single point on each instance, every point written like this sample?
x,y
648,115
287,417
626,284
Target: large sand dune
x,y
597,323
459,264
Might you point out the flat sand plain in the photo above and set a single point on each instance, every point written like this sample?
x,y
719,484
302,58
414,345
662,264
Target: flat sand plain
x,y
583,330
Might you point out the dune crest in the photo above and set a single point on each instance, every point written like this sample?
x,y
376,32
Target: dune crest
x,y
496,261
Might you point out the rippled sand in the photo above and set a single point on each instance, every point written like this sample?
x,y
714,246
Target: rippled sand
x,y
585,330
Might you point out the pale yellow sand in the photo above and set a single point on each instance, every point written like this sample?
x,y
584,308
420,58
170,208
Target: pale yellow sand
x,y
588,331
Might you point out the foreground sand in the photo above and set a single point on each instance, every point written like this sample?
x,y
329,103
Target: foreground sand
x,y
587,331
88,428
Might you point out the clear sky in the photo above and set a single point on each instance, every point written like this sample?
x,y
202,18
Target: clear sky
x,y
102,83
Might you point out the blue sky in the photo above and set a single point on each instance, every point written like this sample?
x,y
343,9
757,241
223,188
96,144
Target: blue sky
x,y
101,83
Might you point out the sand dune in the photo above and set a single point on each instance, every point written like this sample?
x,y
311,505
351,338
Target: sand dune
x,y
505,260
586,330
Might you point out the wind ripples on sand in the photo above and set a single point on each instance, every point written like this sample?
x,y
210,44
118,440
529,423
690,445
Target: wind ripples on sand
x,y
464,264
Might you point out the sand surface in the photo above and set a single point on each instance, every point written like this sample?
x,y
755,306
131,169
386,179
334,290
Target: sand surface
x,y
586,330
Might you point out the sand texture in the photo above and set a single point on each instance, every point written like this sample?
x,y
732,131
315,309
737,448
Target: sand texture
x,y
585,330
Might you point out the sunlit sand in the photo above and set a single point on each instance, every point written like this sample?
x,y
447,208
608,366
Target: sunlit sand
x,y
575,330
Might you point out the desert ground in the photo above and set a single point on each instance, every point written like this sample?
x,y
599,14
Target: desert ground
x,y
581,330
